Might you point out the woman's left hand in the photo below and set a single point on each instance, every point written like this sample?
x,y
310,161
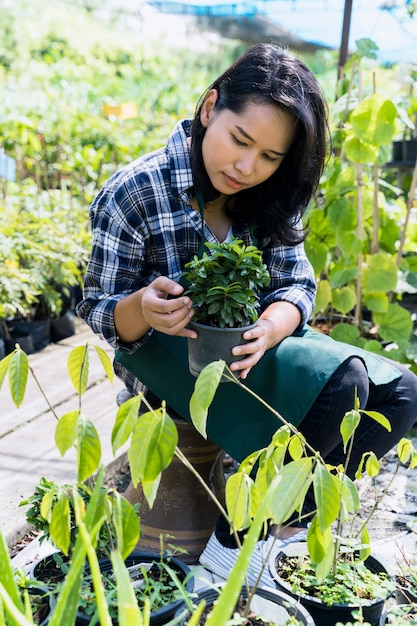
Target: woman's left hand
x,y
258,339
279,320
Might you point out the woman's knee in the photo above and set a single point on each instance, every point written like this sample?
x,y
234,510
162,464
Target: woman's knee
x,y
350,381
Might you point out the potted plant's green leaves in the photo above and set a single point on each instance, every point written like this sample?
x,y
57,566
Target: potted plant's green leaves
x,y
224,287
163,581
353,586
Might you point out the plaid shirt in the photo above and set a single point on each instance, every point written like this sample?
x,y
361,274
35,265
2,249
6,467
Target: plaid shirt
x,y
144,226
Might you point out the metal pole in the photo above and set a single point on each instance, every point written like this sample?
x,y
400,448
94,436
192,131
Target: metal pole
x,y
343,52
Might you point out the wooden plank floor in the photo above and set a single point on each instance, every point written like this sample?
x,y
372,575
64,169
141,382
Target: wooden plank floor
x,y
27,447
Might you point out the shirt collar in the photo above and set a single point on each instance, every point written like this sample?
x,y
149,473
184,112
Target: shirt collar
x,y
179,158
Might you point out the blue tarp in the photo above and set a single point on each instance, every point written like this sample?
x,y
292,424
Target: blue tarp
x,y
320,21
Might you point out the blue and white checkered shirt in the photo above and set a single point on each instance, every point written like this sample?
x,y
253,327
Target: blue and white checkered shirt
x,y
144,226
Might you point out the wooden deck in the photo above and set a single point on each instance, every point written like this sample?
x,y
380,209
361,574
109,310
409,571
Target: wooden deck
x,y
27,446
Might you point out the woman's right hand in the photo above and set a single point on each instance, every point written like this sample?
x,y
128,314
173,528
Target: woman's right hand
x,y
165,310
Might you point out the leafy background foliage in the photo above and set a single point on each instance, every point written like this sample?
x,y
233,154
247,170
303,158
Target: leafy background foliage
x,y
56,81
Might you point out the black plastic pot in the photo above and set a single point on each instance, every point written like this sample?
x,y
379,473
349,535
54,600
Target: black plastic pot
x,y
404,152
273,605
400,614
162,615
325,615
48,570
404,593
213,344
63,326
48,604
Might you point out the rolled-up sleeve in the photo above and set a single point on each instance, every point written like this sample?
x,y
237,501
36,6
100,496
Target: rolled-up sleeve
x,y
292,279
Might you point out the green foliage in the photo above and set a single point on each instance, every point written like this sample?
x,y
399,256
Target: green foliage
x,y
286,469
352,579
224,286
356,222
53,507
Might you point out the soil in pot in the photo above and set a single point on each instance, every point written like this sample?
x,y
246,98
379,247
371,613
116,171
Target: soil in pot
x,y
150,580
269,607
322,604
51,570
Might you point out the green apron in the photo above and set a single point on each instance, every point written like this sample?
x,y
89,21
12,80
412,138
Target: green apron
x,y
289,377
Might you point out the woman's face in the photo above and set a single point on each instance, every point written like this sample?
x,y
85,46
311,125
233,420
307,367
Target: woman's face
x,y
243,150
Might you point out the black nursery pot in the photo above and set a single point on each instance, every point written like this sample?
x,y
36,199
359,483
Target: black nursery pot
x,y
46,604
213,344
162,615
286,606
404,593
405,612
325,615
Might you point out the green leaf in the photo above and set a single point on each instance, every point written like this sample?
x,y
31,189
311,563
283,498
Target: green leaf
x,y
78,365
380,418
372,465
394,325
106,362
150,490
88,448
327,496
317,254
348,333
366,541
238,499
66,431
349,243
342,274
344,299
404,449
60,527
374,120
4,366
376,301
126,522
342,215
324,296
349,494
358,151
152,447
47,503
18,375
204,391
128,612
7,579
320,545
289,489
349,424
380,273
296,447
126,417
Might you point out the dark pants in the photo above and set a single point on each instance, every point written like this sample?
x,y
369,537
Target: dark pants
x,y
397,401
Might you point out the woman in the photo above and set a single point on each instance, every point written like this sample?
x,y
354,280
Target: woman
x,y
255,151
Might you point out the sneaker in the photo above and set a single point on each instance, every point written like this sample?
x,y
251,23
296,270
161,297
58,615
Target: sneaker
x,y
123,396
220,560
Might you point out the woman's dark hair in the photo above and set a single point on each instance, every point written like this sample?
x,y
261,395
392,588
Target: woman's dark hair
x,y
268,74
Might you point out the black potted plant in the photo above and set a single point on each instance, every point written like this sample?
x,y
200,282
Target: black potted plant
x,y
160,579
224,288
400,615
406,572
354,586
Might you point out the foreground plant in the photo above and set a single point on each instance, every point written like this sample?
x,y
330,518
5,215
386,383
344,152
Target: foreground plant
x,y
336,530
